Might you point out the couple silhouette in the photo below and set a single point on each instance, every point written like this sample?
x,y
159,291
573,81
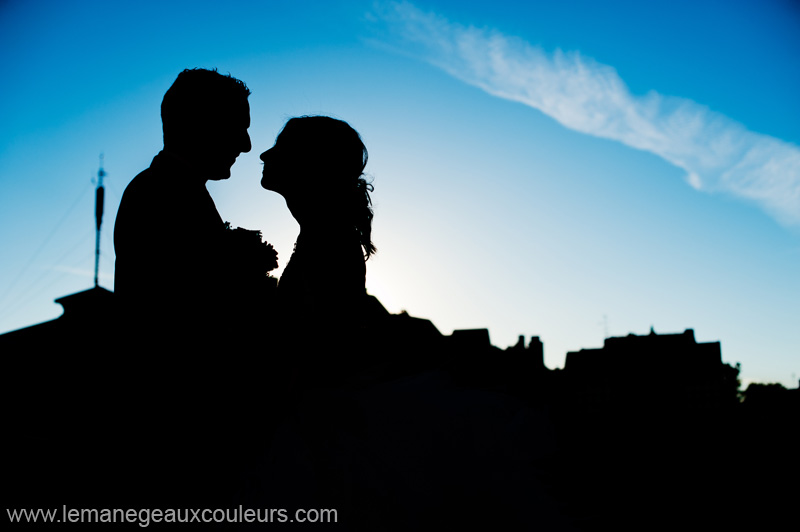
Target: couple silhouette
x,y
243,390
180,271
209,337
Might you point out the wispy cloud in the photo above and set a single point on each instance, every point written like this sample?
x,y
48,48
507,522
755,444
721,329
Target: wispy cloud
x,y
717,153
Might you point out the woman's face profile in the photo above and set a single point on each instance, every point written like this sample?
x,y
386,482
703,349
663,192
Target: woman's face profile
x,y
276,161
311,154
286,164
269,175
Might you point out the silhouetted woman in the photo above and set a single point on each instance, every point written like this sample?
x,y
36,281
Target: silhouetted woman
x,y
390,452
317,165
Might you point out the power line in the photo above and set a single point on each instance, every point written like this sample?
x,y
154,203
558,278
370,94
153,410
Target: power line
x,y
13,304
43,288
44,244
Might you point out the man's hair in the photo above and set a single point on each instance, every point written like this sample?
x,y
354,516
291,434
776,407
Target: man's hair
x,y
197,97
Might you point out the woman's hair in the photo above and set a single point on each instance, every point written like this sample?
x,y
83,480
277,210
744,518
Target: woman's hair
x,y
337,157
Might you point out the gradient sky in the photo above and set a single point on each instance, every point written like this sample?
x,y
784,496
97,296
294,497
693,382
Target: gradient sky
x,y
569,169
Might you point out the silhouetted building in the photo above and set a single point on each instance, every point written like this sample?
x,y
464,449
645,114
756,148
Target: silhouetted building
x,y
660,371
53,362
83,313
58,383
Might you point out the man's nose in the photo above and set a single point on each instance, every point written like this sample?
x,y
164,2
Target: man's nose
x,y
246,145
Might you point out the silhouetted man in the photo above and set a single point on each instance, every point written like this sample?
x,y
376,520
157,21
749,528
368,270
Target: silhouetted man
x,y
171,268
177,360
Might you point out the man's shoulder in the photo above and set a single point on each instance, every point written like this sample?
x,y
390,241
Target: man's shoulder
x,y
150,188
142,200
148,180
140,186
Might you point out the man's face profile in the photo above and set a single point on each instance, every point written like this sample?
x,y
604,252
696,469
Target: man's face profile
x,y
223,139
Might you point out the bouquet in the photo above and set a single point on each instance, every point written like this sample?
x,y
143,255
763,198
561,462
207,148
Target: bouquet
x,y
251,257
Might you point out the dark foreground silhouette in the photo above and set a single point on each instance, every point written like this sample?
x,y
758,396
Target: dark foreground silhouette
x,y
218,389
412,447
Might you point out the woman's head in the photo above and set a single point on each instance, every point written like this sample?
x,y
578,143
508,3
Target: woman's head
x,y
317,150
317,164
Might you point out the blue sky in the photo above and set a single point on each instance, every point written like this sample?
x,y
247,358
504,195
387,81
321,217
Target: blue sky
x,y
560,169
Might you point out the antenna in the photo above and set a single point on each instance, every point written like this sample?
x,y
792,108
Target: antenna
x,y
604,323
99,200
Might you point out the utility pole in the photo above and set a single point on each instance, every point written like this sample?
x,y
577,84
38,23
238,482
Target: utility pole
x,y
99,200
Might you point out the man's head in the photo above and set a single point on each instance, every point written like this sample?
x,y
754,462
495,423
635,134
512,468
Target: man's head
x,y
205,116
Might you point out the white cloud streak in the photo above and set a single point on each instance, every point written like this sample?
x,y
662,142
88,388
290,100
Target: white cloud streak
x,y
717,153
